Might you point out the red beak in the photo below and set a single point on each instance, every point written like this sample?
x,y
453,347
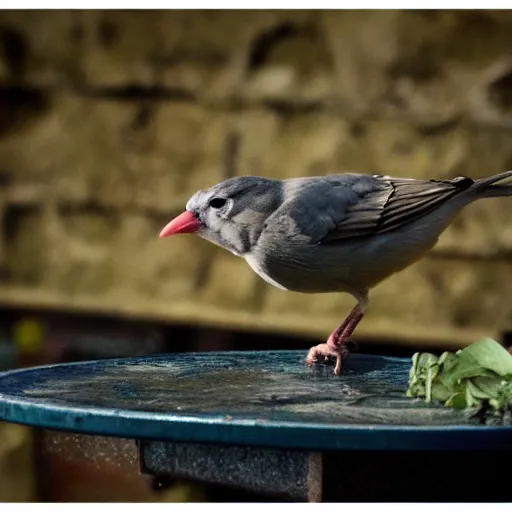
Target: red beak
x,y
183,223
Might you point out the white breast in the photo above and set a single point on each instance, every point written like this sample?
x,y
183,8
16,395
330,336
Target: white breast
x,y
256,266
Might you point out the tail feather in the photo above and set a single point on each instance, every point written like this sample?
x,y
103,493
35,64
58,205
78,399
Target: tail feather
x,y
485,187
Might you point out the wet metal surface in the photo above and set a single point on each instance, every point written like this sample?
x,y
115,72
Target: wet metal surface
x,y
248,398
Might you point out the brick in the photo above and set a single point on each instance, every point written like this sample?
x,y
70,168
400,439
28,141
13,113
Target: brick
x,y
206,53
117,154
283,148
120,47
182,151
147,266
39,48
290,62
419,64
316,144
230,283
42,145
24,230
99,253
157,165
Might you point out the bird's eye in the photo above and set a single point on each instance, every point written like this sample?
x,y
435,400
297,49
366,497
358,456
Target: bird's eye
x,y
217,202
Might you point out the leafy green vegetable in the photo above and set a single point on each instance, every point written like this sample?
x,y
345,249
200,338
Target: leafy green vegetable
x,y
478,376
488,354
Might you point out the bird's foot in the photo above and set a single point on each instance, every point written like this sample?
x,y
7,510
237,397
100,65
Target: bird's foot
x,y
326,352
336,346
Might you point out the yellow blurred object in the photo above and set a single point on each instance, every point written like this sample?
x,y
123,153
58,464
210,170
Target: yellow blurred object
x,y
183,492
29,336
17,471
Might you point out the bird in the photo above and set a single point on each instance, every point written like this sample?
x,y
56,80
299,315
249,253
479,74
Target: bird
x,y
335,233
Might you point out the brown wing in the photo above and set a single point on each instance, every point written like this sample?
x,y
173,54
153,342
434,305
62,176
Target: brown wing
x,y
394,202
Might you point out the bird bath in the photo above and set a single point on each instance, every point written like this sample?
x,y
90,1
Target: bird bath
x,y
261,421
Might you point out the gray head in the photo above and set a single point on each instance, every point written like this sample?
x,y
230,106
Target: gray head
x,y
231,214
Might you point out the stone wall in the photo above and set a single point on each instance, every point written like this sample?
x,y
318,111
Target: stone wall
x,y
109,121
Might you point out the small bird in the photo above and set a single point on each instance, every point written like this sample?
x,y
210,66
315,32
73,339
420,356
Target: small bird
x,y
335,233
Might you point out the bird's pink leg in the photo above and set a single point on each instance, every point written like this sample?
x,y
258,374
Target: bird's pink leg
x,y
336,345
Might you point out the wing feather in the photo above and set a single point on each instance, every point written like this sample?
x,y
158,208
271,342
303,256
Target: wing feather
x,y
392,203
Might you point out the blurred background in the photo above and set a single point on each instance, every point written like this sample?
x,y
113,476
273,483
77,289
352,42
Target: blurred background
x,y
110,120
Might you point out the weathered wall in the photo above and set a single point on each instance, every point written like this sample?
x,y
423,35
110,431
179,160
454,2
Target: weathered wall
x,y
110,120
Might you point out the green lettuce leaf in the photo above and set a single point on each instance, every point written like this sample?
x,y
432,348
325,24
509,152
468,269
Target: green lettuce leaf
x,y
478,376
487,354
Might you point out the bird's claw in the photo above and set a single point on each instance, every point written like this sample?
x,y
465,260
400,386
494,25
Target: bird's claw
x,y
326,352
